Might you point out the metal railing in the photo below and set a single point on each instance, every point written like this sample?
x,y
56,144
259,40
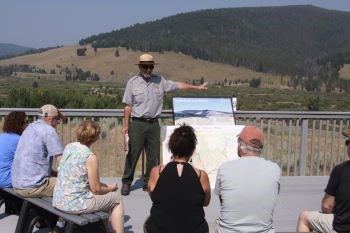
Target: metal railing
x,y
302,143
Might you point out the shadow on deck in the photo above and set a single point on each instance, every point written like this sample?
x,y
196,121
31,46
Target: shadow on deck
x,y
297,193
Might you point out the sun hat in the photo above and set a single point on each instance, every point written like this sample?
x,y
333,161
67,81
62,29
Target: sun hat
x,y
252,136
49,110
146,59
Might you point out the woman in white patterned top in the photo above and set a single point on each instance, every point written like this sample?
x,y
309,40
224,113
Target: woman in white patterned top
x,y
78,188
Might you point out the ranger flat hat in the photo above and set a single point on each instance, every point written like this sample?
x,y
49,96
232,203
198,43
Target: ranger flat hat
x,y
146,59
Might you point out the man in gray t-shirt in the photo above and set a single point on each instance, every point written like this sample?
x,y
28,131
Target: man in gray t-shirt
x,y
143,99
248,187
38,145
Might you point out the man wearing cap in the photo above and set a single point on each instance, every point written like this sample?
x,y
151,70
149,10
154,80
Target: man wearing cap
x,y
38,145
247,187
335,214
143,99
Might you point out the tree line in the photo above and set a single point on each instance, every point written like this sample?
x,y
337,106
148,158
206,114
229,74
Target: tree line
x,y
73,74
266,39
32,98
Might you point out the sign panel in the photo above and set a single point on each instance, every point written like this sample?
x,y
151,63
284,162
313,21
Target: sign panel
x,y
203,110
216,144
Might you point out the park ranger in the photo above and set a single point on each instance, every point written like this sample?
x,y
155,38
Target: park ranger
x,y
143,99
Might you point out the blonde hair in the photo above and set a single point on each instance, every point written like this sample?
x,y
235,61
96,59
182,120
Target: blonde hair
x,y
88,132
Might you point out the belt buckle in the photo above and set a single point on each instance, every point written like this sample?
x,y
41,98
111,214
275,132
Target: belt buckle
x,y
151,120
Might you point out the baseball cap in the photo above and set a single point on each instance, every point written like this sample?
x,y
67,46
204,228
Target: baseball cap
x,y
49,110
252,136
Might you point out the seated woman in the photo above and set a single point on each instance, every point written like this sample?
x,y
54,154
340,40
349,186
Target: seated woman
x,y
178,190
78,187
14,124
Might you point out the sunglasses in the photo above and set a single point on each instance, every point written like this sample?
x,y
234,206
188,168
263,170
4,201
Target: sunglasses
x,y
58,120
146,67
347,142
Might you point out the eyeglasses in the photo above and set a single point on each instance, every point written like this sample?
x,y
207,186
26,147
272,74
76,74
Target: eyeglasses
x,y
58,120
146,67
347,142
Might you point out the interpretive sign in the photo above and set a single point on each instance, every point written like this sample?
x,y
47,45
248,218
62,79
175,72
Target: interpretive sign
x,y
216,144
203,110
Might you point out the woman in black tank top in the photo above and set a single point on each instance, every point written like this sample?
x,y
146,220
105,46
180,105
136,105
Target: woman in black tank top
x,y
178,191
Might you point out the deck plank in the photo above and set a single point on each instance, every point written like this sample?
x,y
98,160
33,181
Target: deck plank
x,y
297,193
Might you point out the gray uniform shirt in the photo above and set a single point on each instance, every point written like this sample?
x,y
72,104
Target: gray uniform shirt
x,y
146,98
36,147
248,187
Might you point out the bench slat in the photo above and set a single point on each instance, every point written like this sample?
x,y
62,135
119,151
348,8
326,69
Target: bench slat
x,y
46,203
11,191
92,217
103,215
48,206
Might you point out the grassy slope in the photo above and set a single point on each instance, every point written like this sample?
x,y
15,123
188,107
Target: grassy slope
x,y
173,66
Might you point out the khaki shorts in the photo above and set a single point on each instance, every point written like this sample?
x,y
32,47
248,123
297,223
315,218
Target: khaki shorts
x,y
105,203
321,222
44,190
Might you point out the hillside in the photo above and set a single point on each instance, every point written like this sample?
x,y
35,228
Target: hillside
x,y
12,49
268,39
175,66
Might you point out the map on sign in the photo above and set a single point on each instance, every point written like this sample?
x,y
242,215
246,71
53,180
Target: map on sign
x,y
216,144
203,110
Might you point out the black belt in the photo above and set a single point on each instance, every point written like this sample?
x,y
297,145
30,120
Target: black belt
x,y
148,120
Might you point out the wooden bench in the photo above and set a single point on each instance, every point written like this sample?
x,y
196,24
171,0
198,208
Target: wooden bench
x,y
35,208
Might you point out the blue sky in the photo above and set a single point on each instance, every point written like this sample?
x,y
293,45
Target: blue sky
x,y
43,23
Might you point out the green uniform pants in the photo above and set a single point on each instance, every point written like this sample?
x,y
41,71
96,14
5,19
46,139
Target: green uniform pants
x,y
142,135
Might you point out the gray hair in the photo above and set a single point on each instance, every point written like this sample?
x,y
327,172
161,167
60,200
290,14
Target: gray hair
x,y
249,149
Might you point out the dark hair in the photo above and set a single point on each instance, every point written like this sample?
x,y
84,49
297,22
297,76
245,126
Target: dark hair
x,y
15,122
88,132
183,141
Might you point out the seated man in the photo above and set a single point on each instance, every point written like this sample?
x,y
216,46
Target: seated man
x,y
248,187
32,164
335,214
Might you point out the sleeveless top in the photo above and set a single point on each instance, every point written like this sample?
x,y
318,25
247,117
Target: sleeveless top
x,y
177,202
72,184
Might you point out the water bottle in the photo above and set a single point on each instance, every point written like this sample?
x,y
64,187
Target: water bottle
x,y
126,142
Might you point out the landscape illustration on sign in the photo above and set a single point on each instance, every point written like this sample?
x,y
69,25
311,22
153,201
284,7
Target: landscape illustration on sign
x,y
203,111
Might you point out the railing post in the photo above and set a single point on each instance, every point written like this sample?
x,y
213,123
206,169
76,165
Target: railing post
x,y
303,146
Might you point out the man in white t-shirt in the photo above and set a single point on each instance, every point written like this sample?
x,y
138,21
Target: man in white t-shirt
x,y
248,187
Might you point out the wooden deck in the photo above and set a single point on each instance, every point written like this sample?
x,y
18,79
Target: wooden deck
x,y
297,194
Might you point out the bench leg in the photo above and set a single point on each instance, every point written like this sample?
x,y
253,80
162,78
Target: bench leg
x,y
28,216
2,201
70,227
23,217
33,217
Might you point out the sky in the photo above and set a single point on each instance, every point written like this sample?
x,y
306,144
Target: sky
x,y
45,23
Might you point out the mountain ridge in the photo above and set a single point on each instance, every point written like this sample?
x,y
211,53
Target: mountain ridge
x,y
8,49
268,39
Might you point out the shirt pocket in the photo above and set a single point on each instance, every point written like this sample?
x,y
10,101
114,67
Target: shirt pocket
x,y
138,96
158,94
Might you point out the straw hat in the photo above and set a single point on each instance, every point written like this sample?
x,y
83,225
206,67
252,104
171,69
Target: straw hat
x,y
146,59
